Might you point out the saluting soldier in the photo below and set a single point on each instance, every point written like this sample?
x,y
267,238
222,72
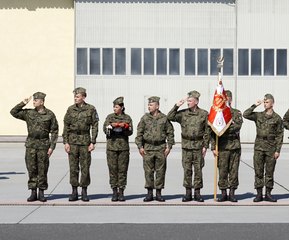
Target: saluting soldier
x,y
79,137
155,138
229,152
195,141
118,127
267,147
42,136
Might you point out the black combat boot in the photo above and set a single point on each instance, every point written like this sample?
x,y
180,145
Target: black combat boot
x,y
224,196
121,197
159,197
232,197
188,196
33,196
41,197
114,197
149,197
259,196
197,195
74,195
268,196
84,196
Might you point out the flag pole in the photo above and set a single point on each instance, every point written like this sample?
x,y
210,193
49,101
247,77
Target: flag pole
x,y
216,168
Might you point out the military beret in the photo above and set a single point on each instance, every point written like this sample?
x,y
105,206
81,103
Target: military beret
x,y
154,99
228,93
39,95
80,90
194,94
268,96
118,101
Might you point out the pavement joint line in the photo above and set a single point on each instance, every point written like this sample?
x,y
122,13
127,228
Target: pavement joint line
x,y
27,215
50,193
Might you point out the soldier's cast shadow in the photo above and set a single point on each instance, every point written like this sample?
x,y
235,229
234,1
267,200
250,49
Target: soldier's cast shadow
x,y
2,174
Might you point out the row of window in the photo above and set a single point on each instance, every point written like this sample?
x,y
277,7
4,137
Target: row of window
x,y
163,61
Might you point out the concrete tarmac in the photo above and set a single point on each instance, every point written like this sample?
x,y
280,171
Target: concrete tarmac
x,y
102,213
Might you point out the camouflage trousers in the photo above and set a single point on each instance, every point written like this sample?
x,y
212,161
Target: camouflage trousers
x,y
37,163
79,160
228,165
264,161
190,158
155,166
117,162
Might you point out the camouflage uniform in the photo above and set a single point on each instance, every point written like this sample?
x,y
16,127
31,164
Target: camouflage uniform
x,y
39,126
268,140
117,148
80,130
286,120
154,134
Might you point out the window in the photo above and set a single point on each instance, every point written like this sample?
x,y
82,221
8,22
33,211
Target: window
x,y
228,61
94,61
243,57
215,54
256,62
149,61
174,61
107,61
190,68
282,62
135,61
81,61
202,61
120,61
268,62
161,61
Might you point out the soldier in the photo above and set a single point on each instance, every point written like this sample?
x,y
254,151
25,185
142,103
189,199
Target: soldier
x,y
155,138
117,127
39,145
267,147
79,137
286,120
195,141
229,152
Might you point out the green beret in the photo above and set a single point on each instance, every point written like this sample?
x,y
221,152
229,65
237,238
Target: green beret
x,y
194,94
228,93
80,90
268,96
154,99
118,101
39,95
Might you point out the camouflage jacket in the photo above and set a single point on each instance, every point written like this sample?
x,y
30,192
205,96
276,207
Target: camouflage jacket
x,y
80,125
39,126
117,138
230,140
194,127
269,129
286,120
154,132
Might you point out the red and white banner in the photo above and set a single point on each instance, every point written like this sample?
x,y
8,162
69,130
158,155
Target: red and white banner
x,y
220,116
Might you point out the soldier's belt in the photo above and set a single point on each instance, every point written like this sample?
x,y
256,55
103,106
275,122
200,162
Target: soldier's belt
x,y
155,143
192,138
266,137
79,132
39,137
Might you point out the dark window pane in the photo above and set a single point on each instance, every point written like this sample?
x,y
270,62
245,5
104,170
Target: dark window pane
x,y
120,61
256,62
107,61
243,65
202,61
190,68
81,61
228,61
269,62
215,54
94,61
161,61
282,62
135,61
174,61
149,61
